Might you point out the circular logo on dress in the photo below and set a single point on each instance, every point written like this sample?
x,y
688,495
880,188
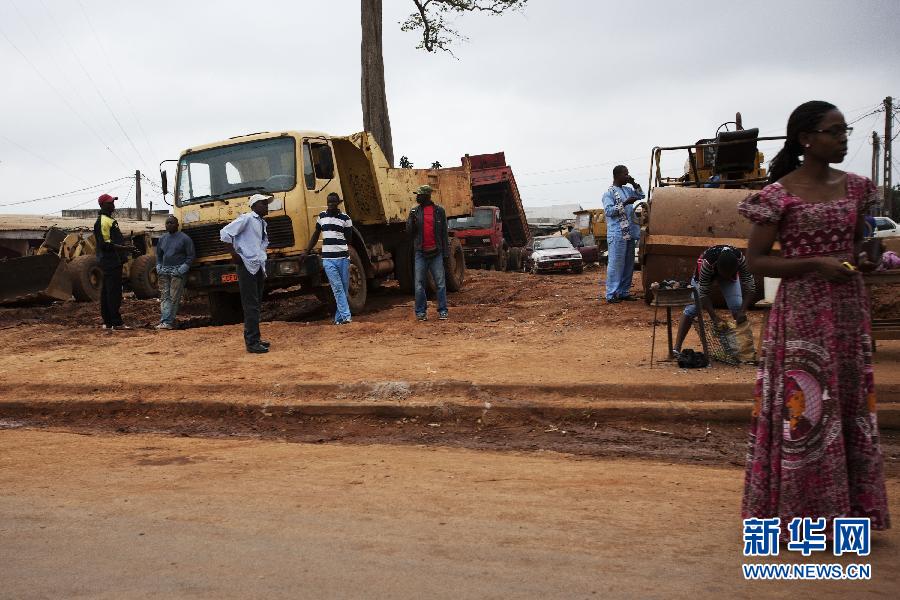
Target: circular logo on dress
x,y
802,404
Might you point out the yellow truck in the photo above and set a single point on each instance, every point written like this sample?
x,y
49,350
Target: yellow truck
x,y
300,169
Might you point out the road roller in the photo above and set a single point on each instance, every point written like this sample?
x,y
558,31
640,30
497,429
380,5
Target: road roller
x,y
685,215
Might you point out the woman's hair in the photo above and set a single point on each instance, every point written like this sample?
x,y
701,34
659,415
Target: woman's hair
x,y
727,259
804,119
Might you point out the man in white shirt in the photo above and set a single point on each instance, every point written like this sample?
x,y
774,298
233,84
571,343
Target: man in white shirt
x,y
247,239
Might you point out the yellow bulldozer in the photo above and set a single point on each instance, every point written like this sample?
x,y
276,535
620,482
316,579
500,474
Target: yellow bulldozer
x,y
65,265
690,213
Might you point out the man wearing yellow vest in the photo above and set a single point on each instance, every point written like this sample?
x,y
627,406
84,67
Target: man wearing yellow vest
x,y
112,252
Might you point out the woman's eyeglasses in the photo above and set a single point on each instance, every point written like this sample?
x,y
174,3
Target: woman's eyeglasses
x,y
836,131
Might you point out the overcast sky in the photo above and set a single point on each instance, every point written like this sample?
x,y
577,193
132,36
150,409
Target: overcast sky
x,y
94,89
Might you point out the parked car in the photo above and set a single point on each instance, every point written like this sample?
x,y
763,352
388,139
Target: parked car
x,y
590,251
886,227
552,253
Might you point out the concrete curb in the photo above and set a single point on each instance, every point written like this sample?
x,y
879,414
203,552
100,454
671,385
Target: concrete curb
x,y
600,411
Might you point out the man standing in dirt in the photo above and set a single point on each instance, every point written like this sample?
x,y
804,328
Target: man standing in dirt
x,y
247,239
336,229
174,255
622,234
427,225
112,252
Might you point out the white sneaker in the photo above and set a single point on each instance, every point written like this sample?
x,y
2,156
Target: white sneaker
x,y
164,326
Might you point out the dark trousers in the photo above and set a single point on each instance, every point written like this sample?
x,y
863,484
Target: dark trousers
x,y
111,295
251,286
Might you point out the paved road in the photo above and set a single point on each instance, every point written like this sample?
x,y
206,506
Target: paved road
x,y
165,517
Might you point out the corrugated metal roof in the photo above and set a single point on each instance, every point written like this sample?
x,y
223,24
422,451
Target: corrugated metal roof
x,y
26,226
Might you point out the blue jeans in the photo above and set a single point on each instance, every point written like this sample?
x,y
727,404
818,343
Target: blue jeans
x,y
730,289
436,266
338,272
619,267
170,289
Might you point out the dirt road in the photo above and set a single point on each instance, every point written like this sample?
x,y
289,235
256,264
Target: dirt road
x,y
505,328
149,516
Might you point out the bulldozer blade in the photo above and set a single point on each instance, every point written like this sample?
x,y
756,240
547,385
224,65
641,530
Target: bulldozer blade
x,y
34,279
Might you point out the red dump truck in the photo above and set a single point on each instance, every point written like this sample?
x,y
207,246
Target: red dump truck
x,y
496,233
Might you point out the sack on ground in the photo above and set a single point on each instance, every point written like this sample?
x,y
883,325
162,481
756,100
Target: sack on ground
x,y
746,349
731,343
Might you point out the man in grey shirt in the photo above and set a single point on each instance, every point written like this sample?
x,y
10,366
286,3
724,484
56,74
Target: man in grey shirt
x,y
174,255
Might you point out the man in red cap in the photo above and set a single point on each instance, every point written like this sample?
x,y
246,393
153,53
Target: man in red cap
x,y
112,252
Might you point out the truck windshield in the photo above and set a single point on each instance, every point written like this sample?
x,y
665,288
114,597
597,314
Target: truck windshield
x,y
482,219
241,169
552,243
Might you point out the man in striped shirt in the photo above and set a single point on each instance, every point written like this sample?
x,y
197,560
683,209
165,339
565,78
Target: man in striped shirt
x,y
336,230
726,266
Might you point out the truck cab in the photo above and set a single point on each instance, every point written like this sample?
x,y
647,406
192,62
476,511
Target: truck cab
x,y
481,237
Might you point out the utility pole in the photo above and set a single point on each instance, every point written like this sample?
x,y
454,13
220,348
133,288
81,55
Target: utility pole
x,y
137,196
876,154
888,192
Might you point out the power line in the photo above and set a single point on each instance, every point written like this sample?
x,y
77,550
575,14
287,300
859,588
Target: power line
x,y
91,200
105,54
41,158
87,74
62,97
62,194
864,141
604,164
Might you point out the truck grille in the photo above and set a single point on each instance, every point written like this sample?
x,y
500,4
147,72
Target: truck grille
x,y
207,243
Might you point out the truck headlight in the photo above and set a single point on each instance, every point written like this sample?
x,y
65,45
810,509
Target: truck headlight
x,y
288,267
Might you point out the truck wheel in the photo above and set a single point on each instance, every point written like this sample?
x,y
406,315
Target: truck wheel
x,y
356,295
403,269
456,269
578,269
225,308
502,258
142,277
514,262
87,278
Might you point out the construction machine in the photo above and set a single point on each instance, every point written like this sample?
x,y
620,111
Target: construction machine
x,y
65,265
690,213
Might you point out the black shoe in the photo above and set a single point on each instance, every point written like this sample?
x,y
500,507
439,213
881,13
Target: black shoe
x,y
257,349
613,300
265,343
629,298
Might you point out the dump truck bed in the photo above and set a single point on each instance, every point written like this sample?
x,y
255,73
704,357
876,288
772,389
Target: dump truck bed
x,y
376,193
493,184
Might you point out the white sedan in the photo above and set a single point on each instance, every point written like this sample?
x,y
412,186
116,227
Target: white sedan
x,y
552,253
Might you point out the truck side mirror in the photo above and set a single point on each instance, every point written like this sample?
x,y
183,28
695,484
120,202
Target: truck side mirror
x,y
165,181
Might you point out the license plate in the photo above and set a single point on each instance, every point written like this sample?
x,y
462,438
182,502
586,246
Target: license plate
x,y
229,278
560,264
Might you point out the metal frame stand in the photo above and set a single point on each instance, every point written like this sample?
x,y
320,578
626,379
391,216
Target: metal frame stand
x,y
677,300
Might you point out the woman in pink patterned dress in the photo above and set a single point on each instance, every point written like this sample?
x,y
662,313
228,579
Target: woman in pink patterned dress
x,y
814,449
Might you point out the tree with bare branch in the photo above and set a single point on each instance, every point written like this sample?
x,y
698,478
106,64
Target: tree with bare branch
x,y
433,19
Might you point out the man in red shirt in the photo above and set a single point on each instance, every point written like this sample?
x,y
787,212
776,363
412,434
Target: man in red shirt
x,y
427,225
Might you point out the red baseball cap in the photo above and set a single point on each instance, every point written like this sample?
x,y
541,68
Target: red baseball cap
x,y
103,199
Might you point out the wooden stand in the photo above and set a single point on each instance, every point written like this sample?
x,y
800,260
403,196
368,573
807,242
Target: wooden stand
x,y
676,298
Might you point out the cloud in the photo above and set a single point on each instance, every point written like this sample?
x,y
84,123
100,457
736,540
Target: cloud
x,y
557,87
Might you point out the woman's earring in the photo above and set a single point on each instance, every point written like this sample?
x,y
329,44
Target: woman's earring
x,y
806,145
